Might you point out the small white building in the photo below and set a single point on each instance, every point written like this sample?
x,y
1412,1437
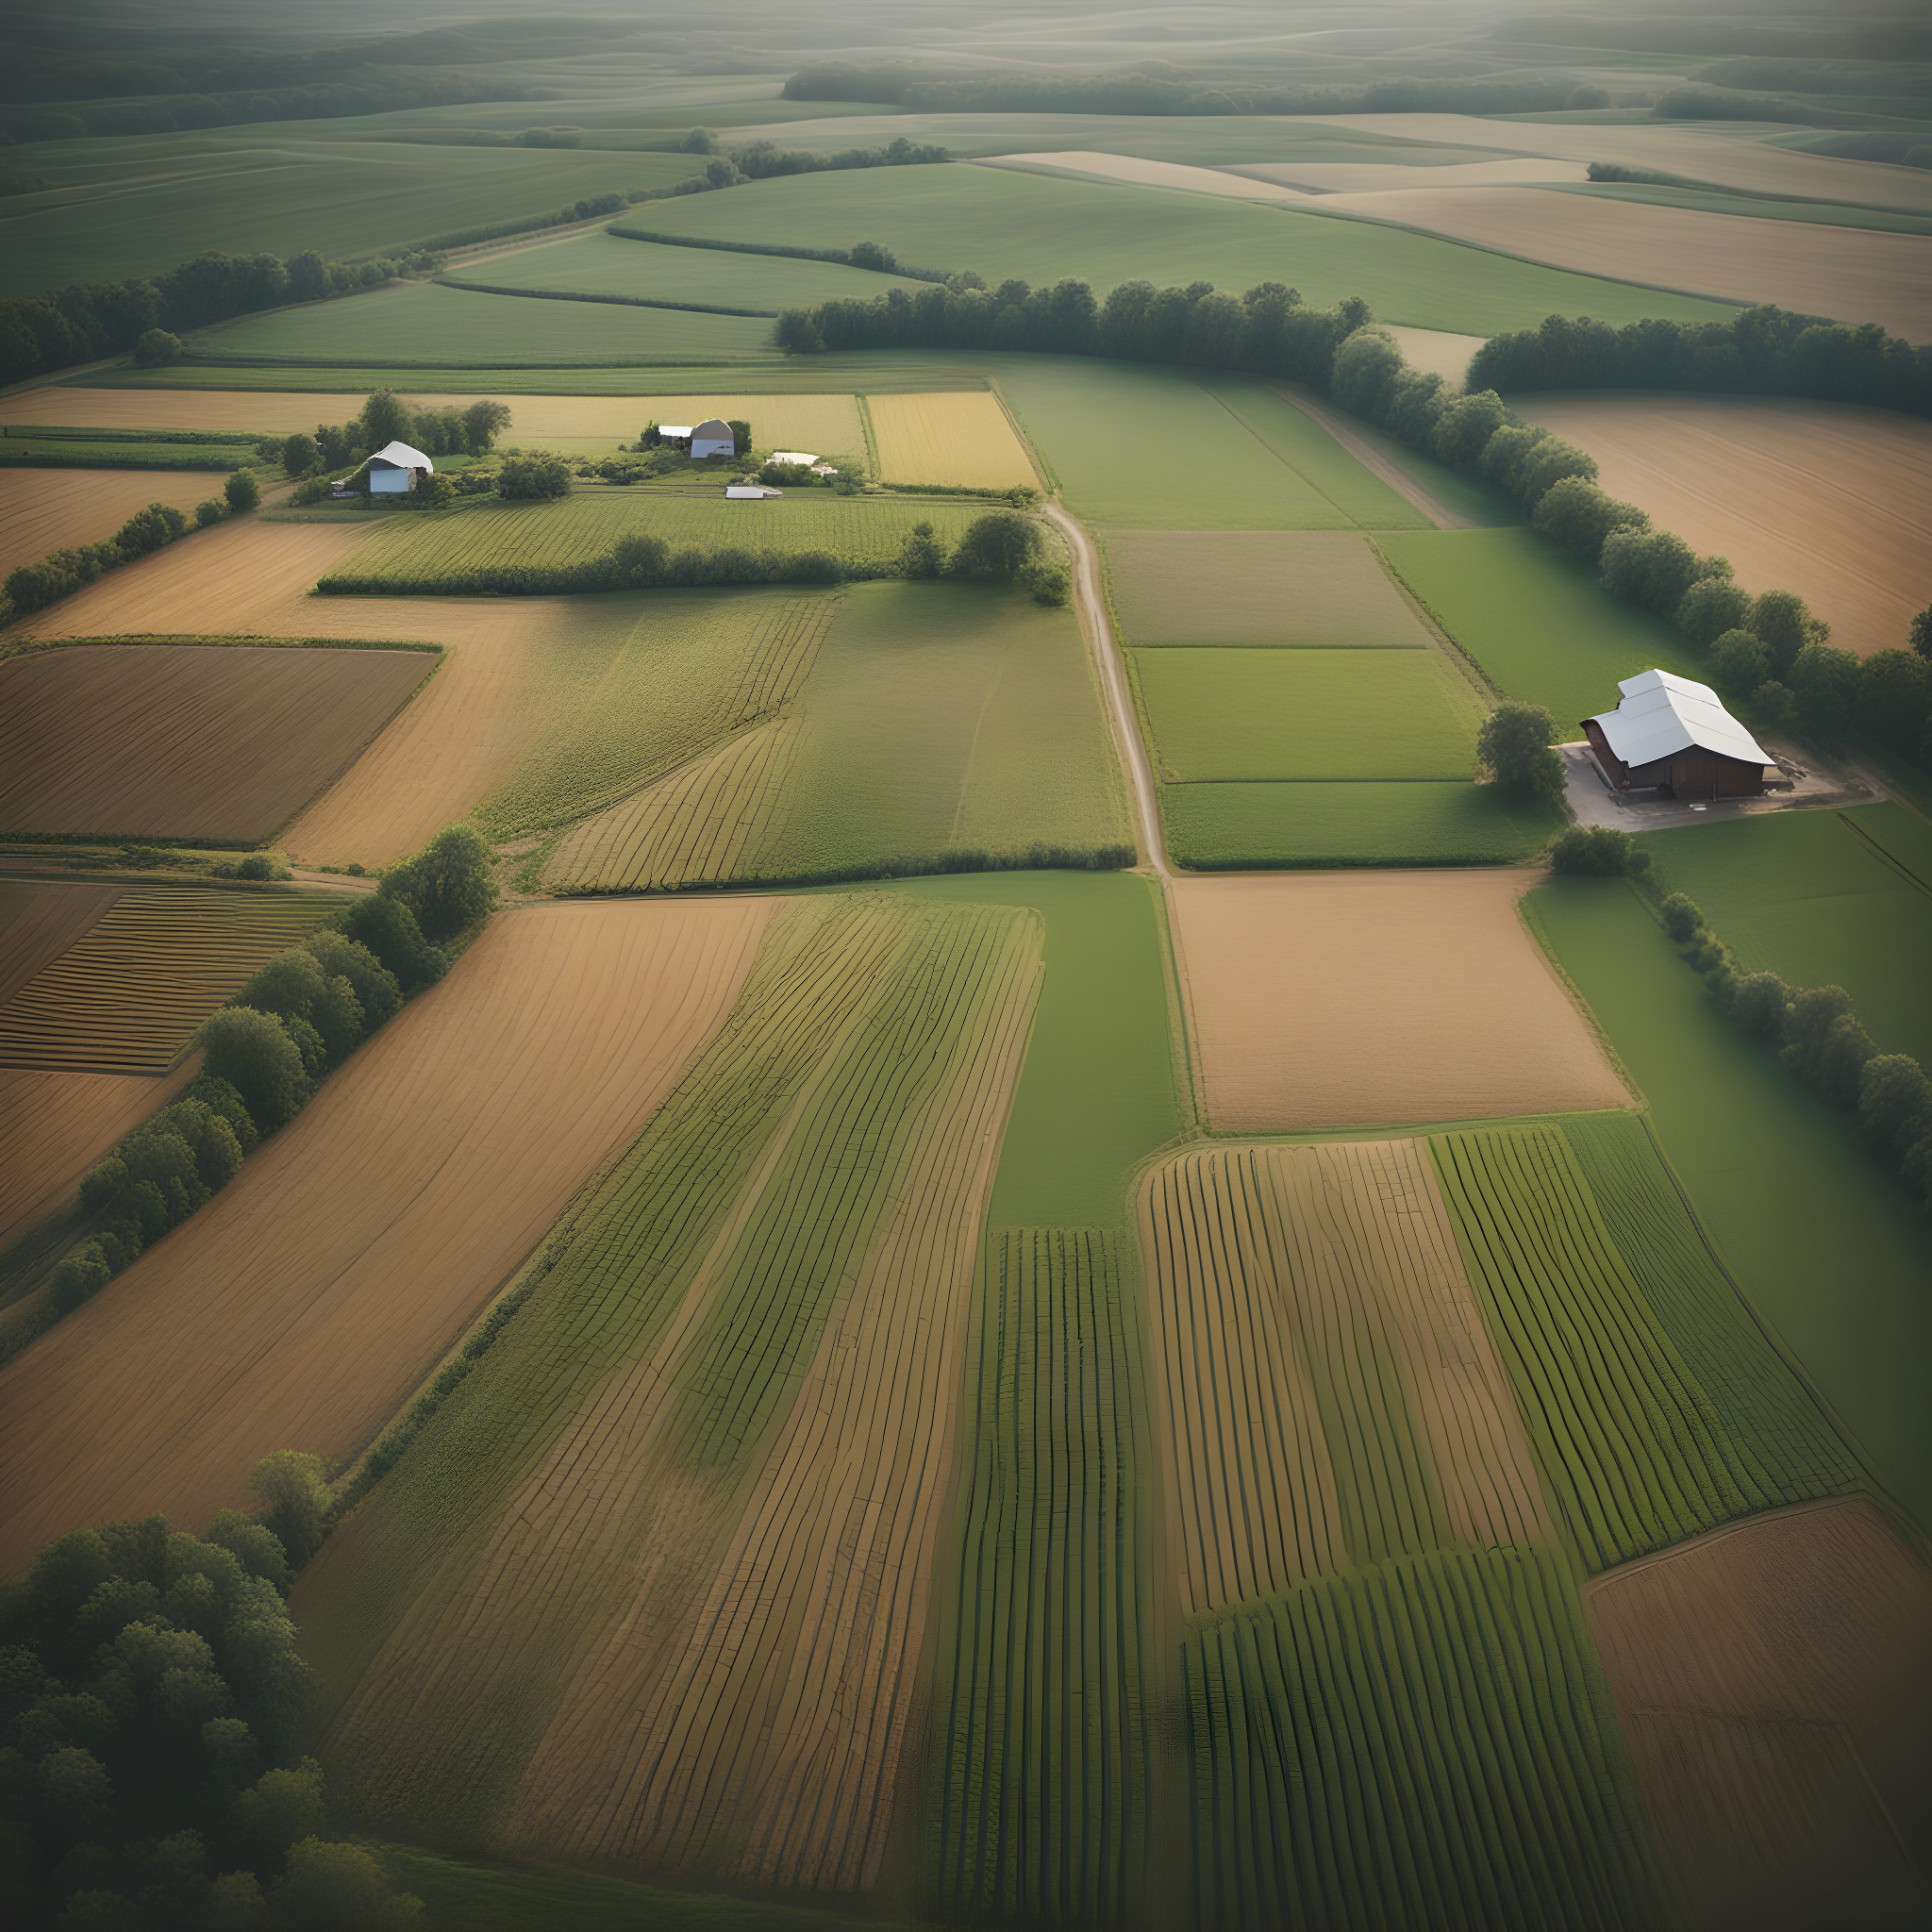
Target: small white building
x,y
749,493
678,433
803,458
713,438
395,467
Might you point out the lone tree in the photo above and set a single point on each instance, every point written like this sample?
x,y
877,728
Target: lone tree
x,y
999,544
1514,745
447,885
242,490
483,423
301,454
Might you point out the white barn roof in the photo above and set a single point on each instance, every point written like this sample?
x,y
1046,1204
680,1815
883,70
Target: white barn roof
x,y
399,455
1661,714
712,427
793,455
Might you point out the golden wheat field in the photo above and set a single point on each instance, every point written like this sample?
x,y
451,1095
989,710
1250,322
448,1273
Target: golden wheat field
x,y
961,438
1838,507
200,742
436,1158
1334,1000
1288,1284
269,412
126,995
1144,174
1852,275
48,509
1774,1686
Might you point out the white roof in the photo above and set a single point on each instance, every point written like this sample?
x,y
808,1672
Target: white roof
x,y
1661,714
792,456
673,430
714,426
745,489
402,457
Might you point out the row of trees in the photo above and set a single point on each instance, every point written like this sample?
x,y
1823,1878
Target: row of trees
x,y
384,418
1267,330
1003,546
759,160
1765,351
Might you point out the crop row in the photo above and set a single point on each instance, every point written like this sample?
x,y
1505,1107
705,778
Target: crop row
x,y
1039,1801
1424,1743
1634,1450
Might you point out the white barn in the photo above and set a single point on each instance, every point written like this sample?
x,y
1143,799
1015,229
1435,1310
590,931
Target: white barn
x,y
395,467
713,438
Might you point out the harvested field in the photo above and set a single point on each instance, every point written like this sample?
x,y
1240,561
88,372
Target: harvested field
x,y
48,509
1852,275
1320,588
1356,177
1772,1683
728,1413
1839,507
172,741
54,1126
1436,350
1330,1395
38,923
126,996
961,438
1323,1002
437,1157
265,413
244,574
1145,174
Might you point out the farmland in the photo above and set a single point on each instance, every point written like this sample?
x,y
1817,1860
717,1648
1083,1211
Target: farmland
x,y
127,994
961,438
1836,508
450,1141
1272,964
163,740
40,921
48,509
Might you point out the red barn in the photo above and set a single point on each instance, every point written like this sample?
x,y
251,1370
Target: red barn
x,y
1674,735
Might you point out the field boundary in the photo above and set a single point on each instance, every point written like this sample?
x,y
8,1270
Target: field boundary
x,y
1533,924
615,301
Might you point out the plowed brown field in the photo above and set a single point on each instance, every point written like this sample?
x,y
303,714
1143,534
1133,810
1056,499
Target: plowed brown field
x,y
1356,177
1838,507
271,412
1337,1000
38,923
47,509
1775,1684
187,740
432,1163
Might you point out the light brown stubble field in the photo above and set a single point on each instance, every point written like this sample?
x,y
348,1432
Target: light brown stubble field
x,y
301,1305
1346,999
957,436
1826,499
1774,1686
42,510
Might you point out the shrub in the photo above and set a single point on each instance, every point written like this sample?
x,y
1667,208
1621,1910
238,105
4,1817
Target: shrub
x,y
1654,568
242,492
80,1275
531,478
207,512
255,1055
999,544
448,885
1781,620
1514,747
155,348
387,929
294,1493
1739,661
922,555
1579,516
1713,607
1598,852
1824,682
1894,1103
1050,583
1758,1002
258,866
1681,918
301,454
373,985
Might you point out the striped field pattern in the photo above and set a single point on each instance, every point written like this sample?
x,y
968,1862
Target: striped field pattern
x,y
960,437
1039,1799
127,997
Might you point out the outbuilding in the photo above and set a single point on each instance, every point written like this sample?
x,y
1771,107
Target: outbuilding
x,y
1673,734
749,493
395,468
713,438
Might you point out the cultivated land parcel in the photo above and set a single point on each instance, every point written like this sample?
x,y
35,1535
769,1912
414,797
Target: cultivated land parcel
x,y
1033,1272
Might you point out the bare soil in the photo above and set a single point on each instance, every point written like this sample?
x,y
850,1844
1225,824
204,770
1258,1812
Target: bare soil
x,y
42,510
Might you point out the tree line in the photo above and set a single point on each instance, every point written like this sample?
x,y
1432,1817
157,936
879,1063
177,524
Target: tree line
x,y
1769,654
1765,351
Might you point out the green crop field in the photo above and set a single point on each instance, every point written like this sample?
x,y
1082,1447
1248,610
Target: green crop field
x,y
1824,898
1826,1245
1535,620
999,221
1425,1741
1260,826
1041,1796
1229,714
1319,587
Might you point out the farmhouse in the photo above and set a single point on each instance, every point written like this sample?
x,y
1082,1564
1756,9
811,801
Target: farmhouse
x,y
1671,734
708,439
395,468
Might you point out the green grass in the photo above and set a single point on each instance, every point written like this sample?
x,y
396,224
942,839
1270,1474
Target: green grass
x,y
1632,1450
1260,826
1310,588
1813,896
1040,1795
1001,223
1825,1244
1426,1741
1535,619
1231,714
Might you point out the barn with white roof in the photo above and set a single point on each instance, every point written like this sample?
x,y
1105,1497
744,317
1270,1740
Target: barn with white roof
x,y
395,467
1673,733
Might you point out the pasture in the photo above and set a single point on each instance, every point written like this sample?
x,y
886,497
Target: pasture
x,y
167,741
1786,1193
127,994
731,1417
1234,714
1243,827
962,439
1320,588
1534,619
1272,967
49,509
1836,508
443,1151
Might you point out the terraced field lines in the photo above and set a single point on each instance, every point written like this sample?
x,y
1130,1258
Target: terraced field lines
x,y
167,740
960,437
1424,1743
40,922
1041,1784
126,996
1632,1448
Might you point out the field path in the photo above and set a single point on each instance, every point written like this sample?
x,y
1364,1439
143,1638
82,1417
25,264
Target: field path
x,y
1339,426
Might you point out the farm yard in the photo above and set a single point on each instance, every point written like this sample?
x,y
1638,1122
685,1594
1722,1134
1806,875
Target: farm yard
x,y
975,1232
